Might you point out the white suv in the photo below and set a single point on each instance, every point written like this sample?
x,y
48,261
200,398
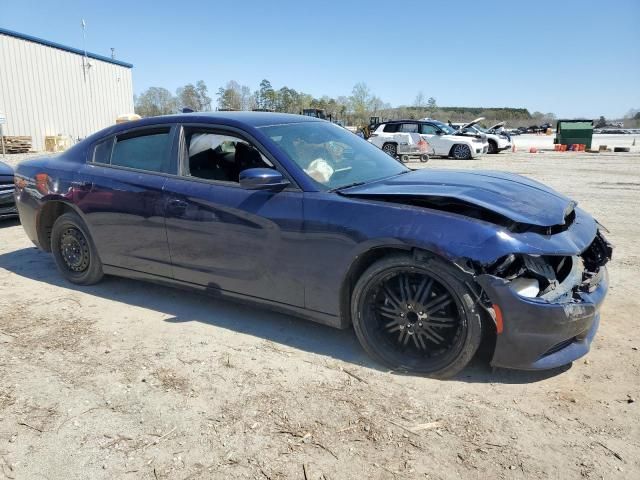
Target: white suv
x,y
444,140
498,139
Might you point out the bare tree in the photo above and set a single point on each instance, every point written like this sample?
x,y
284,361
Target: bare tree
x,y
155,101
360,100
230,96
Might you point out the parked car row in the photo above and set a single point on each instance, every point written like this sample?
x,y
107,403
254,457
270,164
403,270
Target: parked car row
x,y
617,131
461,141
497,138
444,140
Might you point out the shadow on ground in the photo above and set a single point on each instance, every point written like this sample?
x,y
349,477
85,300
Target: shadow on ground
x,y
187,306
9,222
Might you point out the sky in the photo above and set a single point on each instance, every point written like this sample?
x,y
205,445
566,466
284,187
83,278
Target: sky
x,y
575,58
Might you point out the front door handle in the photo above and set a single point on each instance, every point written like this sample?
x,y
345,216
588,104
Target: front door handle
x,y
176,206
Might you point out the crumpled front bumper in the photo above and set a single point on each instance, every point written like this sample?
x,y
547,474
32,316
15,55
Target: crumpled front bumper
x,y
538,335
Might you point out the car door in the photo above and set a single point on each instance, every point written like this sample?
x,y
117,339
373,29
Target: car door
x,y
120,192
430,132
225,237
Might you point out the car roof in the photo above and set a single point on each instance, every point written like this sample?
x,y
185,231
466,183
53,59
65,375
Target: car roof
x,y
253,119
228,118
409,121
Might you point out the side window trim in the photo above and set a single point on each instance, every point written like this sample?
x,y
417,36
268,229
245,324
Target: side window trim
x,y
183,156
139,131
95,146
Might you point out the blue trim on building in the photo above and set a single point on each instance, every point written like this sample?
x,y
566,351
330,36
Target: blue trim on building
x,y
4,31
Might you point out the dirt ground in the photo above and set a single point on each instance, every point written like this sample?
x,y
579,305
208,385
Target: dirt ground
x,y
130,380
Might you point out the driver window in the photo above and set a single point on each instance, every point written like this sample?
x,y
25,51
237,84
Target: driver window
x,y
427,129
220,156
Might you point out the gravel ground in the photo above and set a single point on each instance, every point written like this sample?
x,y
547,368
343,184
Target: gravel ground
x,y
130,380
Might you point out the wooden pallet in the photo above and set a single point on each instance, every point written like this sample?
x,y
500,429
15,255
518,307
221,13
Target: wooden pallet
x,y
14,144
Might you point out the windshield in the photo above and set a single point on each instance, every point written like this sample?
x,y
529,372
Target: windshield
x,y
332,156
446,128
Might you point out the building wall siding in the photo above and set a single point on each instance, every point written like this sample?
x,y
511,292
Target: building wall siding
x,y
43,91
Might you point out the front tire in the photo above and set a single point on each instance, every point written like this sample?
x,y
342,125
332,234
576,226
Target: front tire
x,y
390,149
461,151
74,252
493,147
416,316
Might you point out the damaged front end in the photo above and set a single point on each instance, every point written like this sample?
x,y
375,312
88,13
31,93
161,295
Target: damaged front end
x,y
546,307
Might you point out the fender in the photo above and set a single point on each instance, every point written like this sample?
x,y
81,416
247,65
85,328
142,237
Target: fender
x,y
50,208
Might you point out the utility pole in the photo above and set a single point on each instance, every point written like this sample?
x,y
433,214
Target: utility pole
x,y
84,47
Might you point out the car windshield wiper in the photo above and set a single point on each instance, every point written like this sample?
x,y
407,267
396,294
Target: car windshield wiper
x,y
348,185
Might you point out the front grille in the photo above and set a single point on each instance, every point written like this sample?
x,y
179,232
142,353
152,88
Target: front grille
x,y
6,195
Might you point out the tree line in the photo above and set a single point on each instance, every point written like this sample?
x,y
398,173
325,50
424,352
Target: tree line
x,y
354,109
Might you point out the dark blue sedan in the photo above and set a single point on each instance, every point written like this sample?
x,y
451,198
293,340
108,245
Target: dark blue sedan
x,y
297,214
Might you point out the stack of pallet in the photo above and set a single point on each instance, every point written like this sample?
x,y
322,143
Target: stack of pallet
x,y
16,144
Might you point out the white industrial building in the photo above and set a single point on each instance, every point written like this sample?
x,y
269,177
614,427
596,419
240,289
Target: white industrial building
x,y
48,89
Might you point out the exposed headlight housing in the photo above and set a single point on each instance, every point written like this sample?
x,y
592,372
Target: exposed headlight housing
x,y
526,287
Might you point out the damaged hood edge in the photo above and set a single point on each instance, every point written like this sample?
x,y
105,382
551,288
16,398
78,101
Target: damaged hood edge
x,y
515,197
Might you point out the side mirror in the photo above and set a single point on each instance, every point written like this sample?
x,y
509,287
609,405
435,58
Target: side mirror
x,y
262,179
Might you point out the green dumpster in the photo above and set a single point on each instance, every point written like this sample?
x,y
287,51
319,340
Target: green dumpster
x,y
571,132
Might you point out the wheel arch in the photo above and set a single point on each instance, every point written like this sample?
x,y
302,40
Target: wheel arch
x,y
47,216
368,257
389,142
469,145
363,261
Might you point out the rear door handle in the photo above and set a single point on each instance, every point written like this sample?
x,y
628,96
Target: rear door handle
x,y
176,206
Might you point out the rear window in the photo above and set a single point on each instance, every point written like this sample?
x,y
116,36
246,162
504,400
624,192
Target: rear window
x,y
391,127
409,128
145,151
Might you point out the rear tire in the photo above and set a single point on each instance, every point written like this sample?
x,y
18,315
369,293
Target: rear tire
x,y
461,151
390,149
424,158
416,315
74,252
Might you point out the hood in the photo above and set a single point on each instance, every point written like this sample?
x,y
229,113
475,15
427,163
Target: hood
x,y
496,126
497,195
471,124
5,170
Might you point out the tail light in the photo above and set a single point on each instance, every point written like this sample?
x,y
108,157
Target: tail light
x,y
42,183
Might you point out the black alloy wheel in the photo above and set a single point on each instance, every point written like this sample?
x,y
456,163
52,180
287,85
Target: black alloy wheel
x,y
416,317
390,149
461,152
